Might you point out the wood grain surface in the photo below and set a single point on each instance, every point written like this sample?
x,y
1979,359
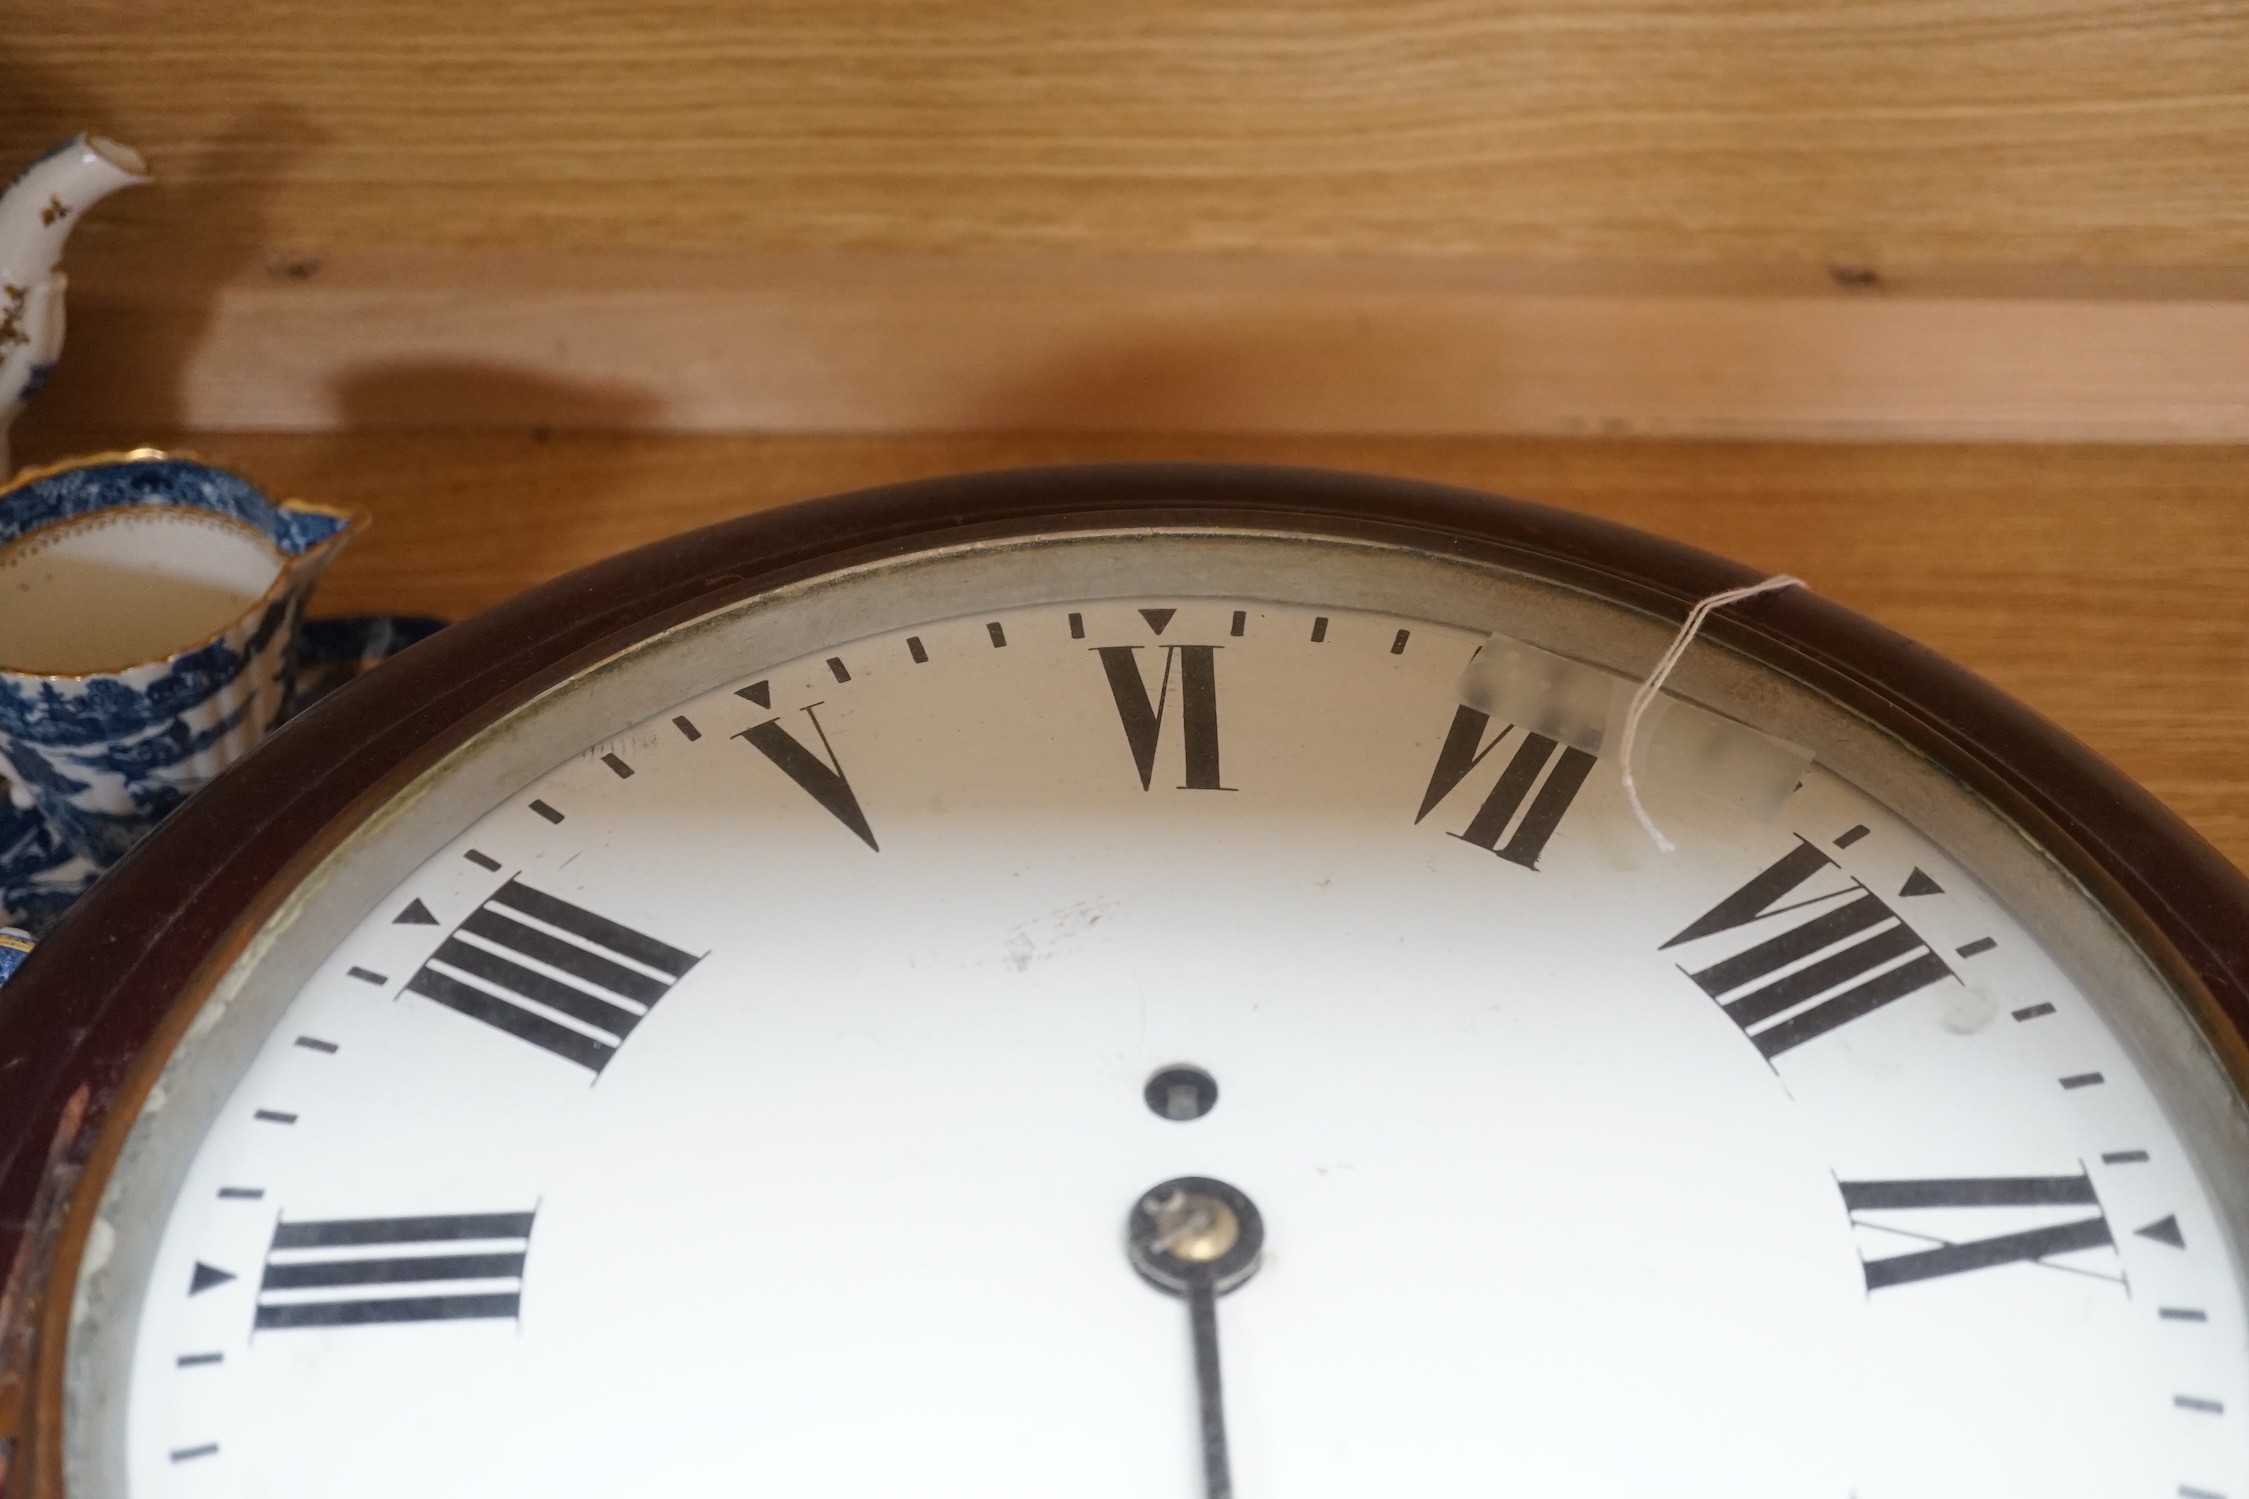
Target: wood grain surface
x,y
1934,220
1855,133
839,341
2107,587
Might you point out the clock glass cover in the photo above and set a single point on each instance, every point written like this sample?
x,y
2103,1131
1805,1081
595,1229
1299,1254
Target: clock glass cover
x,y
766,1062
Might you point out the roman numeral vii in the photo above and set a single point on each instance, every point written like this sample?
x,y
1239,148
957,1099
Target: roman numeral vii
x,y
1498,812
1876,1204
1846,956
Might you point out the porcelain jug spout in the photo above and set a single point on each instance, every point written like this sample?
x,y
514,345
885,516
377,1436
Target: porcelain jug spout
x,y
37,213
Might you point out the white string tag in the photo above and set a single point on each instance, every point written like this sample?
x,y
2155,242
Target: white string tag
x,y
1646,696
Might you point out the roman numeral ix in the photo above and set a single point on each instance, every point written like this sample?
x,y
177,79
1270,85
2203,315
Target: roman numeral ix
x,y
1498,812
2031,1245
1848,957
1143,716
349,1272
551,973
819,776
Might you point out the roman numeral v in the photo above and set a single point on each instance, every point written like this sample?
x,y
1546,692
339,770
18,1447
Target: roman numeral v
x,y
1848,957
819,776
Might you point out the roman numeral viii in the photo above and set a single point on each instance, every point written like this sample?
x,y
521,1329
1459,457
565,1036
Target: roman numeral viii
x,y
819,776
551,973
1946,1257
1847,957
348,1272
1498,812
1196,667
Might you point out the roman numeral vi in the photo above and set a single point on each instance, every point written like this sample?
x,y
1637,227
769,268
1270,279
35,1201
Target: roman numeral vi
x,y
1948,1258
1143,716
1498,811
349,1272
1781,1001
551,973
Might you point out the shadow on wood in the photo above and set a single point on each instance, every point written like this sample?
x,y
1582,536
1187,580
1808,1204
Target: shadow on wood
x,y
443,393
135,353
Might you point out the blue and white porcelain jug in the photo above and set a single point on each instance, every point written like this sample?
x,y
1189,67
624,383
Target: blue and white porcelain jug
x,y
150,607
37,213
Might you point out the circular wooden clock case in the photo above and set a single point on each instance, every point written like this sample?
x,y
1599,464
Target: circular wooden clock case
x,y
800,1006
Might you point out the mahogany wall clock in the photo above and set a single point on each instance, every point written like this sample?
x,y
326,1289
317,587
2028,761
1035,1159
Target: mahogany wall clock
x,y
1140,981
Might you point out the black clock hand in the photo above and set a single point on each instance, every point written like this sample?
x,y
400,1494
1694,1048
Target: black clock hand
x,y
1202,1321
1198,1239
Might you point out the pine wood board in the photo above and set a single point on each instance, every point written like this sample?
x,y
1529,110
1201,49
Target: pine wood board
x,y
857,342
1929,220
1806,132
2106,586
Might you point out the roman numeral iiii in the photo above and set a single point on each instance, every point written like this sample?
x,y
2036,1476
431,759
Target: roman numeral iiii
x,y
551,973
1781,1001
349,1272
1465,748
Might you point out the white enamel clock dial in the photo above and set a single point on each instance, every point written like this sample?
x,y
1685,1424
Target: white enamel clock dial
x,y
754,1102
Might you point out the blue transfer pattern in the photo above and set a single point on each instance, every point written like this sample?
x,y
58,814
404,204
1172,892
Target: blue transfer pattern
x,y
15,946
103,758
332,652
40,875
161,481
98,711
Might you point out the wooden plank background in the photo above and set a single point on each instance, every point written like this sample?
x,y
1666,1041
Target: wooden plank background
x,y
2020,219
1220,228
1863,133
2107,586
844,341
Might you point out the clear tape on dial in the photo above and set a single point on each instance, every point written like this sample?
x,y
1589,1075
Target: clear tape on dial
x,y
1678,745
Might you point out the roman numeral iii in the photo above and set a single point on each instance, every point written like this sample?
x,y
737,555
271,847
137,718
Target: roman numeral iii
x,y
349,1272
1782,1001
551,973
1502,811
1880,1204
1196,667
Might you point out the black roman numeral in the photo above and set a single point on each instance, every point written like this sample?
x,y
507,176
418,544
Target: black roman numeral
x,y
820,778
551,973
1944,1257
1780,1010
349,1272
1492,820
1143,716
